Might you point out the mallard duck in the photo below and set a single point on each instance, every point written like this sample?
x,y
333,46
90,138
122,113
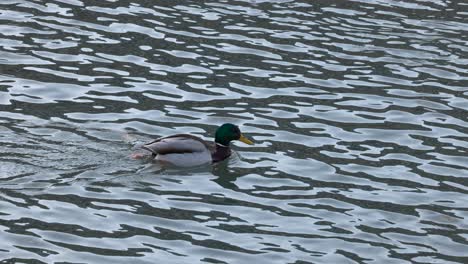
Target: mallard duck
x,y
186,150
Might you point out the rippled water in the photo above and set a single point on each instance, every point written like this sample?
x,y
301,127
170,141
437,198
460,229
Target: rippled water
x,y
358,111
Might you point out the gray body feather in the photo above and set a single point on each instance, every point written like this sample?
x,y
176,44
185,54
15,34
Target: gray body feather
x,y
186,150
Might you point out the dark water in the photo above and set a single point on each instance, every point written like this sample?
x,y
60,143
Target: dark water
x,y
357,108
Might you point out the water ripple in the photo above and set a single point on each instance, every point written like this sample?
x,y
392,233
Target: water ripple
x,y
357,110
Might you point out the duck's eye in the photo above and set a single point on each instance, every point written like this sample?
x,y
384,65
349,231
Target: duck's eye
x,y
236,132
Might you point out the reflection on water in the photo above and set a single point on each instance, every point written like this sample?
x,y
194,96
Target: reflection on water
x,y
357,109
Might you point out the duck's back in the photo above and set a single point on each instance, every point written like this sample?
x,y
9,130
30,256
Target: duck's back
x,y
181,150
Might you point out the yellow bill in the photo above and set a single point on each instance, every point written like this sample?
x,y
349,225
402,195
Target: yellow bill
x,y
245,140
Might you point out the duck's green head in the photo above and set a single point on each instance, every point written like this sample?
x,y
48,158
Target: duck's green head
x,y
228,132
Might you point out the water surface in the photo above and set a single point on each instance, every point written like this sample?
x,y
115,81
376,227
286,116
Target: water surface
x,y
357,108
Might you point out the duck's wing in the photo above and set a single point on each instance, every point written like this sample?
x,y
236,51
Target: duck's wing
x,y
177,144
